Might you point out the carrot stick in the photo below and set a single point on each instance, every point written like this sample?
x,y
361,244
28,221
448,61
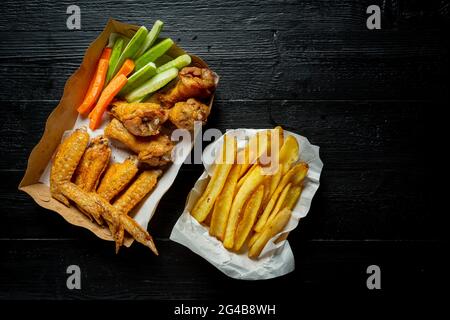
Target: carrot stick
x,y
126,69
108,94
96,84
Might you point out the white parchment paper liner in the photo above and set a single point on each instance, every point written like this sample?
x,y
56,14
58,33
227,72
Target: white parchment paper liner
x,y
276,259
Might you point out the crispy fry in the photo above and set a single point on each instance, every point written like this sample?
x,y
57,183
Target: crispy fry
x,y
223,165
93,203
223,204
280,202
137,191
277,225
117,177
299,169
66,160
257,146
156,151
245,176
289,153
253,239
94,161
292,197
248,217
250,185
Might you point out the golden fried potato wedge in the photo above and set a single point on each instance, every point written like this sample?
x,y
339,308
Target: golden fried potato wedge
x,y
289,153
292,197
253,238
94,161
270,230
248,187
248,217
223,165
280,202
257,146
300,169
222,206
117,177
66,161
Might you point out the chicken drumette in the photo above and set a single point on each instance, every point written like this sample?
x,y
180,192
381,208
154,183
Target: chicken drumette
x,y
184,114
193,82
155,151
141,119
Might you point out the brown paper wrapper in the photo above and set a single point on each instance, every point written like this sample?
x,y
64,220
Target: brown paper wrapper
x,y
63,118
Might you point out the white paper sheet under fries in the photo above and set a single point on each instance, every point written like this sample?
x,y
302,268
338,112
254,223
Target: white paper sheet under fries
x,y
276,259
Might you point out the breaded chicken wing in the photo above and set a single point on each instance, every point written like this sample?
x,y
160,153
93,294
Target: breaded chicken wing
x,y
66,161
117,177
93,203
137,191
141,119
184,114
193,82
94,161
156,151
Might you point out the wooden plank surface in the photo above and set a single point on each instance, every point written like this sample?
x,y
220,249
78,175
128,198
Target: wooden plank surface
x,y
369,99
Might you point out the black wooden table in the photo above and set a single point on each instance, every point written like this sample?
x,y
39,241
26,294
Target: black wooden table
x,y
371,99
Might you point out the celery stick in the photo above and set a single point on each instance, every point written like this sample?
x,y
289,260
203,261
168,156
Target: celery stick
x,y
151,38
114,59
138,78
153,53
180,62
152,85
162,60
131,48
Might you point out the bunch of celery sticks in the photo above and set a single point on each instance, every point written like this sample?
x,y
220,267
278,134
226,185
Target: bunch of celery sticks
x,y
131,69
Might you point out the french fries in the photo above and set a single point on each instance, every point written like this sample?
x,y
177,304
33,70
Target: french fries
x,y
248,217
222,168
251,206
222,206
276,226
250,184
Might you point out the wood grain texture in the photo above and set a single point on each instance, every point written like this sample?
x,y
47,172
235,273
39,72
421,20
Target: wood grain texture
x,y
369,99
179,273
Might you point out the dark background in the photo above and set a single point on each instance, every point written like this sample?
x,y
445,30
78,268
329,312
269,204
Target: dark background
x,y
370,99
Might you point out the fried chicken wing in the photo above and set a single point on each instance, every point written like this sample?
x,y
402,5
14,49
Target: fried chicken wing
x,y
117,177
137,191
156,151
141,119
184,114
193,82
94,161
66,160
95,204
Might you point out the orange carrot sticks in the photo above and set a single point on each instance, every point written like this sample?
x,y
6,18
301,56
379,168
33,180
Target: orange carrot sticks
x,y
108,94
126,69
97,83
